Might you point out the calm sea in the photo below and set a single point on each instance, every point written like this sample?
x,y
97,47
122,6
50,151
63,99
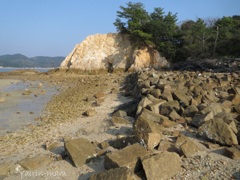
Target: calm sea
x,y
6,69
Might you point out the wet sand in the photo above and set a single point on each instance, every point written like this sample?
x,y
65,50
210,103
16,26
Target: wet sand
x,y
6,82
19,110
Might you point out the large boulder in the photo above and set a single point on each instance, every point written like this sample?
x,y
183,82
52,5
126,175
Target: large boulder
x,y
181,97
148,128
123,142
166,108
219,131
148,122
35,162
162,166
232,152
110,51
189,148
151,140
122,173
127,157
198,120
79,150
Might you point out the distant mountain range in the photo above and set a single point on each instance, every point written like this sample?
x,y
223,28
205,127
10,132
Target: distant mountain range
x,y
19,60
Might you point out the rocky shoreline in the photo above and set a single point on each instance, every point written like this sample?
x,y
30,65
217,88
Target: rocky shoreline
x,y
78,94
144,125
193,114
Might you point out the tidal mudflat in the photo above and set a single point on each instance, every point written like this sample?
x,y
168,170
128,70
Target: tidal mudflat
x,y
22,103
62,119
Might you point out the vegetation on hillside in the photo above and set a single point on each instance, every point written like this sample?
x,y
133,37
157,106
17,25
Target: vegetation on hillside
x,y
19,60
202,38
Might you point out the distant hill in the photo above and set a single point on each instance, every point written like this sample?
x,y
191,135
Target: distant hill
x,y
19,60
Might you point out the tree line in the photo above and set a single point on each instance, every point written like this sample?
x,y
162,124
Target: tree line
x,y
202,38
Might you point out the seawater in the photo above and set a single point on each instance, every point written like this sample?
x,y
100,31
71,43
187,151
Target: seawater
x,y
8,69
20,110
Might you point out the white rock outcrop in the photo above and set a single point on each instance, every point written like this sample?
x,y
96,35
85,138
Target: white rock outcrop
x,y
103,51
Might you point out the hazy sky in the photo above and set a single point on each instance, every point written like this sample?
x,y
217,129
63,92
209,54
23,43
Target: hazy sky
x,y
54,27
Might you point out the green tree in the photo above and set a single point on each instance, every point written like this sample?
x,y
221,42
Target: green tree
x,y
131,21
196,37
186,40
163,32
170,35
201,34
229,36
193,39
156,30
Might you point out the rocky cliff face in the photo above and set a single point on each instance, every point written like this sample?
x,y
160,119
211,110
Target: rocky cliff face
x,y
104,51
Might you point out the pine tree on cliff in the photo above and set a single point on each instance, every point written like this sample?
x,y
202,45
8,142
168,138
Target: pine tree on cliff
x,y
155,29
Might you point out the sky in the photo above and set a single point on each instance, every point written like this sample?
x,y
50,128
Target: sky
x,y
54,27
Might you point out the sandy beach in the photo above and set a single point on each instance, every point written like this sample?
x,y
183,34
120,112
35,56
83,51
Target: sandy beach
x,y
63,120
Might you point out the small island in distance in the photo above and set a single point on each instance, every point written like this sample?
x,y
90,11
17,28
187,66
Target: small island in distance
x,y
22,61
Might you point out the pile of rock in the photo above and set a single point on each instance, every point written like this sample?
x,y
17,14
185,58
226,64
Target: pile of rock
x,y
181,111
129,162
178,114
207,101
210,65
